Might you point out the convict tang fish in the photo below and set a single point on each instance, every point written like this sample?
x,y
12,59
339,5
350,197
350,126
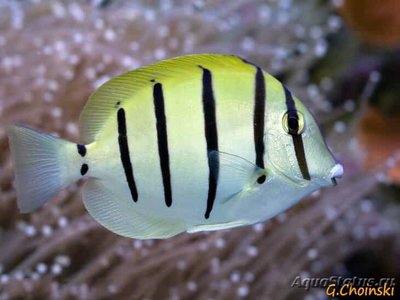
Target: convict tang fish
x,y
198,142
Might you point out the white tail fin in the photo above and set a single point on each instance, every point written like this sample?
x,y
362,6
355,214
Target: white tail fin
x,y
43,166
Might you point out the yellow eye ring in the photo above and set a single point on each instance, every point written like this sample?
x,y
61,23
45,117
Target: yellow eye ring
x,y
293,122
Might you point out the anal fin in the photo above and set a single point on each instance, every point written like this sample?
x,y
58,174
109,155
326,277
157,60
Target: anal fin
x,y
213,227
121,215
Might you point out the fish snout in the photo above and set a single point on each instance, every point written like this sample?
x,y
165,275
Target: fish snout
x,y
336,172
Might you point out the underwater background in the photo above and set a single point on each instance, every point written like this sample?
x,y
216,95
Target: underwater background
x,y
340,57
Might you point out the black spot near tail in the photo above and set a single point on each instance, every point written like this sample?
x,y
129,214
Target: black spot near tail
x,y
81,149
84,169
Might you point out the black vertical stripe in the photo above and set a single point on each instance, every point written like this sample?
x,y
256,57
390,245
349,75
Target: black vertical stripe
x,y
297,138
124,153
258,120
162,139
211,134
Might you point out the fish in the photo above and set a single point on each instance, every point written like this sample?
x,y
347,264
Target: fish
x,y
193,143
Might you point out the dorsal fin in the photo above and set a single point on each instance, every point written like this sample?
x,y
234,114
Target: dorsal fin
x,y
123,88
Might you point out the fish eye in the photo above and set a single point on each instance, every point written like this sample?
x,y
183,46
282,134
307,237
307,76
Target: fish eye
x,y
293,122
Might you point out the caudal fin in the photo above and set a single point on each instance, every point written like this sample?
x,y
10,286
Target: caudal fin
x,y
42,165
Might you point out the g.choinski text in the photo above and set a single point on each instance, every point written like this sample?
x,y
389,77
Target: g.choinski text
x,y
354,286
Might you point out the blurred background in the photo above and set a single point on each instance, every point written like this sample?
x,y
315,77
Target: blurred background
x,y
340,57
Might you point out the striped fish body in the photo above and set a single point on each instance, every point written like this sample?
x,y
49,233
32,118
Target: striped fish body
x,y
194,143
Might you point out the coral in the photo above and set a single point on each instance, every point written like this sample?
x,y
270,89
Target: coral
x,y
376,134
376,23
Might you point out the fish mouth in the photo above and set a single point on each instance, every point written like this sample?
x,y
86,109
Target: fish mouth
x,y
335,173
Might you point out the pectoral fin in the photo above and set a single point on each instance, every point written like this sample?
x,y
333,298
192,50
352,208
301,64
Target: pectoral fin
x,y
236,175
